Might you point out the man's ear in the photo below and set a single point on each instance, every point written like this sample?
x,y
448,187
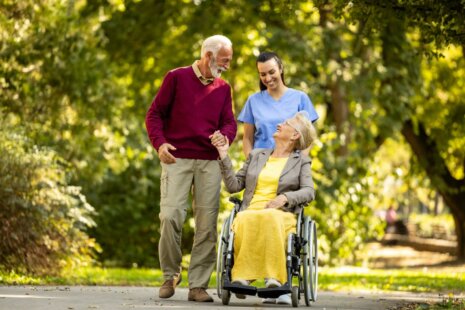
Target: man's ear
x,y
209,56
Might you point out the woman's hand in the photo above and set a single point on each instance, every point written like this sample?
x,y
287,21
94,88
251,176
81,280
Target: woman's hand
x,y
221,142
276,203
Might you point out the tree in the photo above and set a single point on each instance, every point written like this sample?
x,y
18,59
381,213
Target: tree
x,y
56,87
80,76
415,85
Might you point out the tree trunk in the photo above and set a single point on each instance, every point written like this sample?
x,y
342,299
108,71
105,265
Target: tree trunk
x,y
451,189
334,82
436,203
456,206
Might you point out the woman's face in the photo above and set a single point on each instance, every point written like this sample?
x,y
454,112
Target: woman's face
x,y
287,130
270,74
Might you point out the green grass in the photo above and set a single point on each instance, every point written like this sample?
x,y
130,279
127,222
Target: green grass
x,y
91,276
332,279
343,279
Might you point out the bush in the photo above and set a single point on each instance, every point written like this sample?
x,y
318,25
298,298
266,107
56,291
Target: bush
x,y
42,218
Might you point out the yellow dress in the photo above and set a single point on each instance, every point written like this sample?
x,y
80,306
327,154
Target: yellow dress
x,y
261,234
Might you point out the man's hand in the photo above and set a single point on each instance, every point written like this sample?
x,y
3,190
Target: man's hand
x,y
221,143
278,202
217,138
165,155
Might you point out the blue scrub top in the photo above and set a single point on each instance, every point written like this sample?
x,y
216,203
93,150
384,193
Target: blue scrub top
x,y
266,113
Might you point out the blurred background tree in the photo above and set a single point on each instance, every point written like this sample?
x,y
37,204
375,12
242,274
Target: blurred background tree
x,y
77,77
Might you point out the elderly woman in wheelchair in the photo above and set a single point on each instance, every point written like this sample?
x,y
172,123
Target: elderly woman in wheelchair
x,y
278,183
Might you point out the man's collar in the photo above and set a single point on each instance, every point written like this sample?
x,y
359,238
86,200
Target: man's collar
x,y
203,80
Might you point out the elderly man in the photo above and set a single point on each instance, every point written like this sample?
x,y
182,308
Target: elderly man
x,y
192,108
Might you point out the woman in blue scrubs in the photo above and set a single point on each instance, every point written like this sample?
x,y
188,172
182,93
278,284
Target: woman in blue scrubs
x,y
264,110
272,105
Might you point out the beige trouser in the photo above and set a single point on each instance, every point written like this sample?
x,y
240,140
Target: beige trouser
x,y
177,180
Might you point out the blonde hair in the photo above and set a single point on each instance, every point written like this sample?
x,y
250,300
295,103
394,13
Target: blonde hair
x,y
306,130
214,44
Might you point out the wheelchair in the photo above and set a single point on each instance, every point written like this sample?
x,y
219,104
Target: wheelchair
x,y
301,263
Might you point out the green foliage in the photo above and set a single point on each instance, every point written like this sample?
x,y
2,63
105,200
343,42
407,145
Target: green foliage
x,y
79,76
344,218
440,22
57,81
55,77
128,206
43,218
439,104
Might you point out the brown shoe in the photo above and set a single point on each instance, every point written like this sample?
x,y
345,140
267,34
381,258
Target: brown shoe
x,y
167,288
199,294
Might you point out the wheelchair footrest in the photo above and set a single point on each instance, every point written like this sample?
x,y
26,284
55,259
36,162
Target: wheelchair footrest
x,y
240,289
274,292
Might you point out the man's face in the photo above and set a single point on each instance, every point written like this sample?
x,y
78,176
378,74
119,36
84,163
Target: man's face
x,y
221,62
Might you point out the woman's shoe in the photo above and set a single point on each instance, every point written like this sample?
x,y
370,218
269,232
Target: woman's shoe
x,y
270,283
269,301
241,282
284,299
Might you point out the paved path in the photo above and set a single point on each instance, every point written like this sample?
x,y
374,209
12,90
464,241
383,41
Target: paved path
x,y
115,298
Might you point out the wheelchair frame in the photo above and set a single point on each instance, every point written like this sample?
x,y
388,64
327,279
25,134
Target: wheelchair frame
x,y
301,263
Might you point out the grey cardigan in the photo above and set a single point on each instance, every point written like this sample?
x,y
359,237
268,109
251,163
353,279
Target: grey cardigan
x,y
295,182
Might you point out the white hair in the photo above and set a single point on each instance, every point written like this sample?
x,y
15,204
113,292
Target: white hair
x,y
214,44
306,130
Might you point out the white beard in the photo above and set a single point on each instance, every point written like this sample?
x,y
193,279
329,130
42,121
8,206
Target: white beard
x,y
215,69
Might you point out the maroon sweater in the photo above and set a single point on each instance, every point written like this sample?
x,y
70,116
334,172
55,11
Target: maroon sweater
x,y
185,112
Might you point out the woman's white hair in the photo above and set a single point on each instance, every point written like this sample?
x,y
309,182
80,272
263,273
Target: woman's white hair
x,y
214,44
306,130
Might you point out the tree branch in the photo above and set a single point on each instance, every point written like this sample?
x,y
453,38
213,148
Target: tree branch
x,y
429,157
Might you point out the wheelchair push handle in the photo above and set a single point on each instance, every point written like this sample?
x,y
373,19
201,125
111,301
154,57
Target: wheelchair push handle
x,y
237,203
235,200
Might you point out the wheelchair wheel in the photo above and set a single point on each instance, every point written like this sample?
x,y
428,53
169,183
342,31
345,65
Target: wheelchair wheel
x,y
221,256
310,261
295,296
314,257
225,297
